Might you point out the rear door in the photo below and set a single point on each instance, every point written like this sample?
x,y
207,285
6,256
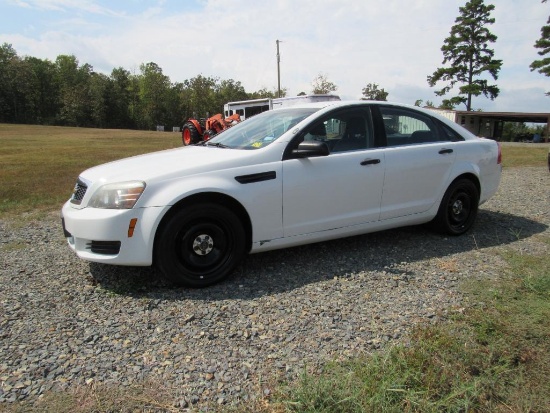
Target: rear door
x,y
419,157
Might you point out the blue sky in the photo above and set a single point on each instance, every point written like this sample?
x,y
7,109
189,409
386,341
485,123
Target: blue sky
x,y
394,43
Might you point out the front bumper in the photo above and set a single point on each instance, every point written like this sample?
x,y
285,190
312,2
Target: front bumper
x,y
102,235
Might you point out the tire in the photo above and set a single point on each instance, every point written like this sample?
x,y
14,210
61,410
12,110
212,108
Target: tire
x,y
189,134
200,245
458,210
208,134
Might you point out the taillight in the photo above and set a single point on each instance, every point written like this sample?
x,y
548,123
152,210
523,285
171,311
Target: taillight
x,y
499,158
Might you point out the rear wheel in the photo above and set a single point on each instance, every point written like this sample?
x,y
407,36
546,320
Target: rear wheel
x,y
200,245
189,134
458,209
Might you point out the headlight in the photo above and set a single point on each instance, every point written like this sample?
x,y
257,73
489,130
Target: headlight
x,y
122,195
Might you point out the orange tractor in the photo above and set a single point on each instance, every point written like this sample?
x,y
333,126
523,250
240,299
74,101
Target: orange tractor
x,y
195,130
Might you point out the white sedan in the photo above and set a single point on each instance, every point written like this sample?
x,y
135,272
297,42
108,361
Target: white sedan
x,y
283,178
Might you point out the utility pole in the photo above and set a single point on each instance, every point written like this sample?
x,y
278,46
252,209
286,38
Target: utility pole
x,y
278,70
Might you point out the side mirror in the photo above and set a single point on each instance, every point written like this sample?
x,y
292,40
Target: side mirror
x,y
309,149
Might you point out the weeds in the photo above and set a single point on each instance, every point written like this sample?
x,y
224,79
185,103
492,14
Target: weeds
x,y
13,246
488,359
516,233
145,397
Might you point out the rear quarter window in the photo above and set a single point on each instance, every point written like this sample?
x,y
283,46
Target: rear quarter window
x,y
409,127
449,134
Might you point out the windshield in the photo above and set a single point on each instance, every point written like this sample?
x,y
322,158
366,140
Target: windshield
x,y
260,130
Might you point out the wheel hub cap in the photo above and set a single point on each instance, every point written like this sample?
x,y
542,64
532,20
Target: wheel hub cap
x,y
203,244
458,206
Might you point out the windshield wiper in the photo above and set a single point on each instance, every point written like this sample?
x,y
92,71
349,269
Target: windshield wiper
x,y
216,144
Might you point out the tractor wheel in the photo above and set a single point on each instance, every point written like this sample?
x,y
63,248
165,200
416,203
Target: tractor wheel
x,y
208,134
189,134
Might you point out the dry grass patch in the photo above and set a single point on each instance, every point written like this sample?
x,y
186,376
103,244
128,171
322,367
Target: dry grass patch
x,y
524,155
39,164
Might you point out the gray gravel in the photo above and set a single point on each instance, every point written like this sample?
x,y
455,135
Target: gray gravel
x,y
65,322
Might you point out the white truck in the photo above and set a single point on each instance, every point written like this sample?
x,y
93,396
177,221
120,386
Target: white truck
x,y
247,108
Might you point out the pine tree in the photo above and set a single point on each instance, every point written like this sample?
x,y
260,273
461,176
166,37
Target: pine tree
x,y
543,65
470,58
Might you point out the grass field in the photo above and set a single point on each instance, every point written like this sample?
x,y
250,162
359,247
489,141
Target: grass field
x,y
495,360
524,154
39,165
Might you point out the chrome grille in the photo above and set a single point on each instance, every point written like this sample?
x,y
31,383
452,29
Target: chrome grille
x,y
78,192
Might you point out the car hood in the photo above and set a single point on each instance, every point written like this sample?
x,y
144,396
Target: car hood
x,y
168,164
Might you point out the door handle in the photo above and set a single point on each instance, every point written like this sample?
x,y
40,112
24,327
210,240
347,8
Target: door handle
x,y
444,151
370,162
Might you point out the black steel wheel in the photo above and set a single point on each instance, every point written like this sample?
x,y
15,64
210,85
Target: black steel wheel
x,y
200,245
458,209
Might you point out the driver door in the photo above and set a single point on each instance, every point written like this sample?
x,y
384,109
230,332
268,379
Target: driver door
x,y
340,190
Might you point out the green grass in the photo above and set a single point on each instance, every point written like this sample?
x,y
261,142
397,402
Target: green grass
x,y
492,358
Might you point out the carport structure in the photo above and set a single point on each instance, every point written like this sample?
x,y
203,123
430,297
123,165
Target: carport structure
x,y
490,124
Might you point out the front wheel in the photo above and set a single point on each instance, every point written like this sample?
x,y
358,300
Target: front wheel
x,y
458,209
200,245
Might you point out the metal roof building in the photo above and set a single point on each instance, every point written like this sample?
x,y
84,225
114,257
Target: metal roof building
x,y
490,124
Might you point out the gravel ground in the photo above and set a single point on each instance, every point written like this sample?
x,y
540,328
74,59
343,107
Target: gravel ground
x,y
65,322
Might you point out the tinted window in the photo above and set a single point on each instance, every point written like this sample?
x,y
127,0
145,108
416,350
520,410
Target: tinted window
x,y
450,134
343,131
408,127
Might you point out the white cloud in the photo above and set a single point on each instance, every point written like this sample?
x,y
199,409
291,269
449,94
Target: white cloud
x,y
88,6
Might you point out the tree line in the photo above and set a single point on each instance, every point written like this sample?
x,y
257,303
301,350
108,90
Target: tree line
x,y
67,93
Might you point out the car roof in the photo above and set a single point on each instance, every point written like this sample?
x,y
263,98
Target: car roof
x,y
344,103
